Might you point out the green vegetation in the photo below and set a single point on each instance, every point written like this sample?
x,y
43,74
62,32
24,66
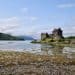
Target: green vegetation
x,y
4,36
70,37
36,41
54,42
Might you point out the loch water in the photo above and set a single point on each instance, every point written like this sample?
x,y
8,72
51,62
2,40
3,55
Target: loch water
x,y
42,49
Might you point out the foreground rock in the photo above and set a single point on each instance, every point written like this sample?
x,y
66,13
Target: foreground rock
x,y
44,68
18,63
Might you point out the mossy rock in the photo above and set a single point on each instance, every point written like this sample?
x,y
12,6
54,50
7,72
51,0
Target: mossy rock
x,y
49,40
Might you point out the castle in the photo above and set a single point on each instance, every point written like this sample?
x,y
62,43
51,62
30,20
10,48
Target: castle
x,y
57,34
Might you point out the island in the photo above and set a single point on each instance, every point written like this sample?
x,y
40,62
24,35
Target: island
x,y
56,38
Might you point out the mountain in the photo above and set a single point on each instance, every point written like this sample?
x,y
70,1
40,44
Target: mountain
x,y
27,37
4,36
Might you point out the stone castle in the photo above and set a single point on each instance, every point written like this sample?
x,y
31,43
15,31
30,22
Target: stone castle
x,y
57,34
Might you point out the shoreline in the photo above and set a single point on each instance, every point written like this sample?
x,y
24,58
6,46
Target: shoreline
x,y
54,43
33,57
21,63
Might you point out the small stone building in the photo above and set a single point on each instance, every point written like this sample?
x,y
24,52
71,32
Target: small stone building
x,y
57,34
44,36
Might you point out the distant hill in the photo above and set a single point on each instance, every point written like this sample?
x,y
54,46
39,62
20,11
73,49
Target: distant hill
x,y
4,36
27,37
70,37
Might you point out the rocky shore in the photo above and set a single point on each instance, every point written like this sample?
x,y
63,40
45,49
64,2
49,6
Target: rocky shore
x,y
19,63
44,68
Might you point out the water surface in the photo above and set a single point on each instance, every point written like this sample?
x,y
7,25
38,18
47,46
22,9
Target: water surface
x,y
43,49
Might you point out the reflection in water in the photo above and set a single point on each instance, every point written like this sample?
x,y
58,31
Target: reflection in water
x,y
48,50
57,50
69,52
65,51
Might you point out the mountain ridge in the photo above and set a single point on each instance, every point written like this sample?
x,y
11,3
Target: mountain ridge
x,y
4,36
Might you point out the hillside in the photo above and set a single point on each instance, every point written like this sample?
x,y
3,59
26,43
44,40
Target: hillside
x,y
4,36
26,37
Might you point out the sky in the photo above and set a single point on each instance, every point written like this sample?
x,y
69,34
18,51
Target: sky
x,y
32,17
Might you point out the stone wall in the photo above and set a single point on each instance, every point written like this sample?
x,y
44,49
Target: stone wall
x,y
44,36
57,34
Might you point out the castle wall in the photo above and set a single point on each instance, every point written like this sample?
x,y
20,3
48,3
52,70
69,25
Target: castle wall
x,y
44,36
56,35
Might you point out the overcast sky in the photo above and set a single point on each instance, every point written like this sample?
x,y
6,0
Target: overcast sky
x,y
31,17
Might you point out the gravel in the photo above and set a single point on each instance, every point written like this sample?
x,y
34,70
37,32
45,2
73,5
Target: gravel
x,y
38,68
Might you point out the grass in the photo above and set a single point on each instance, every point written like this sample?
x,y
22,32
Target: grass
x,y
63,42
21,58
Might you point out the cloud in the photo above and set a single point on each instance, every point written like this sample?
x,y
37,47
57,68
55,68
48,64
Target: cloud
x,y
9,24
36,30
68,30
69,27
66,5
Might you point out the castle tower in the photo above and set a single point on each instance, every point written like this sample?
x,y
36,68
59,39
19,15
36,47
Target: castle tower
x,y
57,34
